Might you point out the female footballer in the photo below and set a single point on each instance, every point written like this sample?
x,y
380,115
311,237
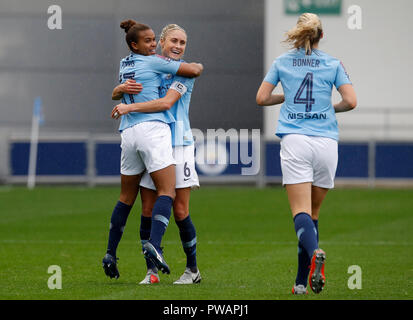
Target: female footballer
x,y
308,130
176,95
146,143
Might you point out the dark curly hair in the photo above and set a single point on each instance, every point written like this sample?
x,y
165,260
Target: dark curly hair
x,y
132,29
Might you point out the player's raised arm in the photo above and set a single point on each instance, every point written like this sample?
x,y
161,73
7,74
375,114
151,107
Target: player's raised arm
x,y
349,99
130,86
265,96
190,70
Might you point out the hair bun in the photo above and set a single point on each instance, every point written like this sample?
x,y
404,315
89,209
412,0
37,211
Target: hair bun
x,y
127,24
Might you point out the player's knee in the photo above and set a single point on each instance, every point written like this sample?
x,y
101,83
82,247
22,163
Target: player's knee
x,y
147,209
181,210
316,205
127,198
168,193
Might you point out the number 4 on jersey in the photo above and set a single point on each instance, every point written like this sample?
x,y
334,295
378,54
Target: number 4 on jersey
x,y
307,85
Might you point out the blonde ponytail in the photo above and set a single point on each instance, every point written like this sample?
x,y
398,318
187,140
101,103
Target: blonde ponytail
x,y
306,33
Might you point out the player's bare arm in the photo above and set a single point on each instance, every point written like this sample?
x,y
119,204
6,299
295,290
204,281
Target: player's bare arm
x,y
157,105
265,96
130,86
349,99
190,70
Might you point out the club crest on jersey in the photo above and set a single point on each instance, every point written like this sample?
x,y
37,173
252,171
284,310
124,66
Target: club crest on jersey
x,y
168,76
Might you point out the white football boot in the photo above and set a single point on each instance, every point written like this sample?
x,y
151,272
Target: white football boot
x,y
189,277
299,289
150,278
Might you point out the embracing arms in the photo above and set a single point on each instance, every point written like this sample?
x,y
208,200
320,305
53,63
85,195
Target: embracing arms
x,y
129,86
190,70
157,105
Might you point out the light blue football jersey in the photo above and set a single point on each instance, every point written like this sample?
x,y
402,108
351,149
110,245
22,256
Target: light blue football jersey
x,y
308,82
181,128
148,71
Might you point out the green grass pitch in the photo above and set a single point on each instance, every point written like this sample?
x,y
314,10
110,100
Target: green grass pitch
x,y
247,247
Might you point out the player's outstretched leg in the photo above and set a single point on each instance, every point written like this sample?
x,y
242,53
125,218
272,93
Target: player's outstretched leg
x,y
152,275
307,237
317,278
117,224
303,270
306,233
164,181
110,266
160,220
300,286
187,233
156,256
